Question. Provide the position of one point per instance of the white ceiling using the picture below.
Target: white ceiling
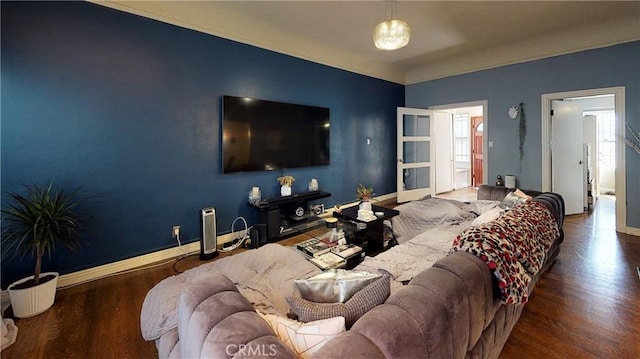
(447, 37)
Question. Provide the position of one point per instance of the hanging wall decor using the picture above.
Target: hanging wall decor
(517, 113)
(633, 141)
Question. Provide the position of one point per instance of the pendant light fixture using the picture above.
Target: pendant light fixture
(392, 33)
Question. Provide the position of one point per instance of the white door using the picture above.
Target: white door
(590, 123)
(416, 148)
(443, 122)
(567, 154)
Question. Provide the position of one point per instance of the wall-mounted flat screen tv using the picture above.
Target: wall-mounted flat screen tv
(260, 135)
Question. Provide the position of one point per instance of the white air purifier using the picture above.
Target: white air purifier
(510, 181)
(208, 237)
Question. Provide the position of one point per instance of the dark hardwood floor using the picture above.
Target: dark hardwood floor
(586, 306)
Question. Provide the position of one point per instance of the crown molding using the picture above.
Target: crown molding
(596, 36)
(238, 27)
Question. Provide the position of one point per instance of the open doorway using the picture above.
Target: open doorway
(585, 105)
(466, 164)
(600, 127)
(477, 152)
(583, 141)
(468, 134)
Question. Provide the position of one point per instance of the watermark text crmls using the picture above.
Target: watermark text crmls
(252, 350)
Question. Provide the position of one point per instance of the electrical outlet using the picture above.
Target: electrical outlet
(175, 232)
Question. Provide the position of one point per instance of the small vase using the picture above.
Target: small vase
(366, 205)
(313, 185)
(285, 190)
(254, 196)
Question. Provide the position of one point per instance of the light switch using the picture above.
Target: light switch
(368, 141)
(490, 144)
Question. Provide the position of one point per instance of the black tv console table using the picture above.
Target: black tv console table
(284, 216)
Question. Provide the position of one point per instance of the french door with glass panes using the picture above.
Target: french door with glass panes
(416, 151)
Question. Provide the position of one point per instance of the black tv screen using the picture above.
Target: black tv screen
(260, 135)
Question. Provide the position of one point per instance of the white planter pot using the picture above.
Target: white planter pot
(32, 301)
(365, 205)
(285, 190)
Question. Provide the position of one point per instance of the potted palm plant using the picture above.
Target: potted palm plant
(35, 224)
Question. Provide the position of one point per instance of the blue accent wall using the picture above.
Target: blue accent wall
(525, 83)
(128, 108)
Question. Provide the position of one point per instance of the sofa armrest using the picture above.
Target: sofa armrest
(216, 321)
(168, 345)
(553, 201)
(493, 193)
(497, 193)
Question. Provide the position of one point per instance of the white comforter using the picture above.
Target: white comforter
(419, 216)
(403, 262)
(264, 276)
(425, 229)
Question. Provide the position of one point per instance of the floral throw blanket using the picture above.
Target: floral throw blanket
(514, 247)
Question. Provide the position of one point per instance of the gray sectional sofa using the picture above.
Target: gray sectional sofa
(450, 310)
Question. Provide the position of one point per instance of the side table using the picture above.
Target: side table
(373, 241)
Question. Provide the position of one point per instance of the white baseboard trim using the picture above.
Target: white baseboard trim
(109, 269)
(633, 231)
(387, 196)
(105, 270)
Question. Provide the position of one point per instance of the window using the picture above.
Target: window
(606, 123)
(461, 136)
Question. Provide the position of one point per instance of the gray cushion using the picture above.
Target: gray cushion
(511, 200)
(334, 285)
(369, 297)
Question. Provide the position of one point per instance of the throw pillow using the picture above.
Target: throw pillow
(366, 299)
(305, 338)
(487, 216)
(335, 285)
(521, 194)
(512, 199)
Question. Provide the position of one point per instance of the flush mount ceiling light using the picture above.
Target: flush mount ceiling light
(392, 33)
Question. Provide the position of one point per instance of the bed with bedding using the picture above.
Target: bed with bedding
(437, 250)
(425, 228)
